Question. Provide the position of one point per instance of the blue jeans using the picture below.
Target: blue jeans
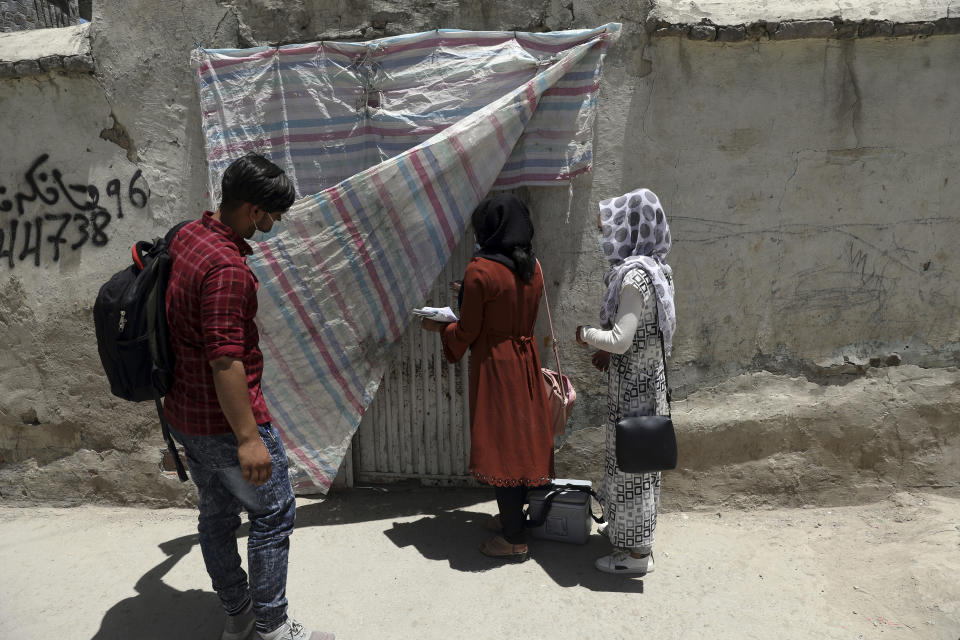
(271, 508)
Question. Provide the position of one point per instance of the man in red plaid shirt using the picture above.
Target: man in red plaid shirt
(216, 407)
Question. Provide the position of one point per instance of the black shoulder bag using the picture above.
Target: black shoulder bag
(646, 444)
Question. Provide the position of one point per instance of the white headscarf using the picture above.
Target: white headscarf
(636, 235)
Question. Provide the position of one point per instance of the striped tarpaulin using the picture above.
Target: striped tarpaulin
(398, 139)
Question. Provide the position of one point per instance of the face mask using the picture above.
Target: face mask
(266, 235)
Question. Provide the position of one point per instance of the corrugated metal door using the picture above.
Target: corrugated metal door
(418, 425)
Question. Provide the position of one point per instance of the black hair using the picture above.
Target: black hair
(255, 180)
(526, 262)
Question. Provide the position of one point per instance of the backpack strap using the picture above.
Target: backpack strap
(167, 239)
(171, 445)
(155, 306)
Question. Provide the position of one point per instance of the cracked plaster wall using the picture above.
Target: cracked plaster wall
(808, 184)
(55, 412)
(812, 194)
(126, 135)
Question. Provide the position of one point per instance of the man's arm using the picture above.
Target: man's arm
(230, 379)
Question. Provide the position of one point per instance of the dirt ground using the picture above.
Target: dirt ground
(402, 563)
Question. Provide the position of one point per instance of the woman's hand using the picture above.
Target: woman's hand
(456, 285)
(432, 325)
(601, 360)
(580, 336)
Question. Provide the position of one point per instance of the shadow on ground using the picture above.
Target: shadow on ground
(447, 532)
(455, 535)
(160, 612)
(365, 504)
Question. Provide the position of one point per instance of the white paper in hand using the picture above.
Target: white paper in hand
(440, 314)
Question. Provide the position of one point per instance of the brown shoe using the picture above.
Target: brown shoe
(498, 547)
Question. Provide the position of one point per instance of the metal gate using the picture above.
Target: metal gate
(418, 425)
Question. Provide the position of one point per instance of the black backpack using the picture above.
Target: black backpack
(132, 334)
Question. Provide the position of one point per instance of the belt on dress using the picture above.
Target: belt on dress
(521, 344)
(522, 341)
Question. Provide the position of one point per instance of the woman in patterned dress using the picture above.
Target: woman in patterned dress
(638, 306)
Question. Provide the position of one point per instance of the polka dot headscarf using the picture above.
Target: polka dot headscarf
(634, 225)
(636, 236)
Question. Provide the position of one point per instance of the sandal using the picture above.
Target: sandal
(498, 547)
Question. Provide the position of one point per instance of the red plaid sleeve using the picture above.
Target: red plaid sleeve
(226, 293)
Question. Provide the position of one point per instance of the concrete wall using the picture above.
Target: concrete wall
(812, 190)
(809, 187)
(22, 15)
(126, 136)
(808, 182)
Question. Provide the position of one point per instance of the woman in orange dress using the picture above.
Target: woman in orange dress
(510, 425)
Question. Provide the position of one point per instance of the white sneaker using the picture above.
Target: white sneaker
(293, 630)
(623, 563)
(238, 627)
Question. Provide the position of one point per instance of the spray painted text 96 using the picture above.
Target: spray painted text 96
(45, 216)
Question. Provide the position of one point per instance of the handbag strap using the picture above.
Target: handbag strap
(663, 353)
(553, 337)
(555, 490)
(666, 381)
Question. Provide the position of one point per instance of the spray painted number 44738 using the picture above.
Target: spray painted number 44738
(47, 217)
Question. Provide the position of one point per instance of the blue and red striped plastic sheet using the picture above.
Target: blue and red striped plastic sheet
(395, 141)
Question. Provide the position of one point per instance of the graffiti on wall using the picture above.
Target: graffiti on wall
(44, 216)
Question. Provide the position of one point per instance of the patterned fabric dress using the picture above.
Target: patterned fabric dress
(637, 387)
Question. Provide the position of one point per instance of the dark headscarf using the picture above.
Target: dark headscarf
(504, 232)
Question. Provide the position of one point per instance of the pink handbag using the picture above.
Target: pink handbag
(560, 392)
(561, 404)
